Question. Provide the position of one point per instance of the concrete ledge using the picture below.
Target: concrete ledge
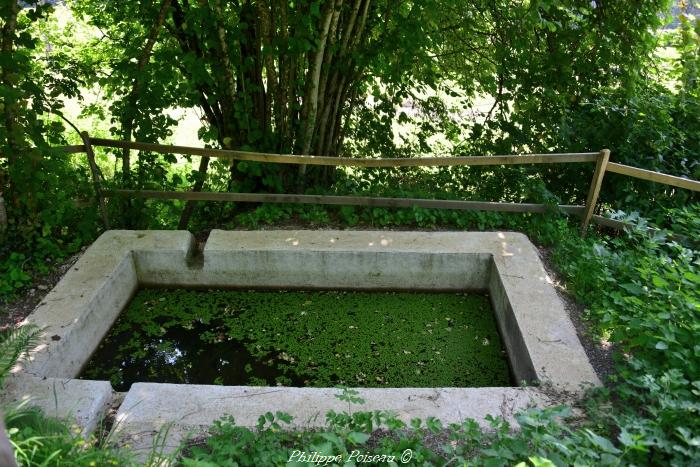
(81, 402)
(79, 311)
(148, 408)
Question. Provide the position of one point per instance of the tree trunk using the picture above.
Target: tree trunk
(132, 99)
(198, 185)
(225, 138)
(310, 104)
(223, 53)
(8, 37)
(12, 147)
(281, 103)
(3, 217)
(327, 57)
(330, 115)
(266, 33)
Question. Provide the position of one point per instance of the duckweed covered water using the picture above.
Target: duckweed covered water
(303, 338)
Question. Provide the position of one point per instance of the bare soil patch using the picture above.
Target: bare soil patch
(14, 312)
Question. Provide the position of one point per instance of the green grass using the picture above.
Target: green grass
(302, 338)
(39, 440)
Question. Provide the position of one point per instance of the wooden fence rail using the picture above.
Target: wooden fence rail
(587, 211)
(346, 201)
(350, 161)
(72, 149)
(651, 176)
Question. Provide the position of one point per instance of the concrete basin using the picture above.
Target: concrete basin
(542, 346)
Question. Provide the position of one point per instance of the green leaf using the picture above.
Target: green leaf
(692, 277)
(600, 442)
(356, 437)
(541, 462)
(333, 438)
(659, 282)
(634, 289)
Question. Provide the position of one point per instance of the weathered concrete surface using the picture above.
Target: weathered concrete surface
(150, 408)
(75, 316)
(538, 333)
(323, 259)
(332, 259)
(541, 341)
(81, 402)
(79, 311)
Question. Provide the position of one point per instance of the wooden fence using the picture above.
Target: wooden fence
(586, 211)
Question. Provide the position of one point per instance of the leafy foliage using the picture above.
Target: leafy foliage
(14, 342)
(643, 295)
(41, 187)
(452, 77)
(41, 440)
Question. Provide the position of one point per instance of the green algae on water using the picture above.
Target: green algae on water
(303, 338)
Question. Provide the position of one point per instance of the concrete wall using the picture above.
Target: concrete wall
(247, 259)
(540, 339)
(518, 354)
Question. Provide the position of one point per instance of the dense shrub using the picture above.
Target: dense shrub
(642, 295)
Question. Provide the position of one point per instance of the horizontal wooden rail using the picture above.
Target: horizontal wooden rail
(343, 200)
(348, 161)
(383, 162)
(612, 223)
(651, 176)
(621, 225)
(73, 149)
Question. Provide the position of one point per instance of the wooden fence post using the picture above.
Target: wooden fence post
(3, 217)
(594, 191)
(95, 178)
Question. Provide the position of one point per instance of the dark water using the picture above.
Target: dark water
(180, 356)
(302, 338)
